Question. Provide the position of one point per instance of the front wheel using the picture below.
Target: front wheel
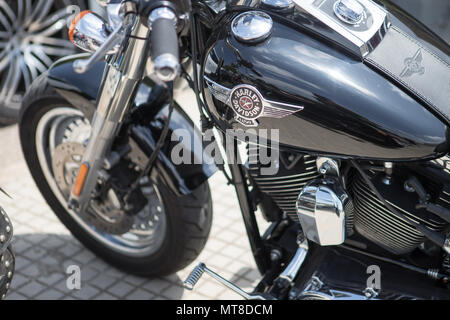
(164, 237)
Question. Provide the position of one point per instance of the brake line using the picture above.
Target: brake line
(432, 273)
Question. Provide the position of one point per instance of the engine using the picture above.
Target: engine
(365, 214)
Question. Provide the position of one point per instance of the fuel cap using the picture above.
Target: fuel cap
(349, 11)
(278, 5)
(252, 26)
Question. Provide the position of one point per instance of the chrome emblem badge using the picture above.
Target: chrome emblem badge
(413, 65)
(248, 104)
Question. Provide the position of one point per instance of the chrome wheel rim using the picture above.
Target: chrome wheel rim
(150, 227)
(31, 39)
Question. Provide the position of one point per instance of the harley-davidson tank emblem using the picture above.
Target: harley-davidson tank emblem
(248, 104)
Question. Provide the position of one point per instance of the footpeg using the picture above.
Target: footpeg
(198, 272)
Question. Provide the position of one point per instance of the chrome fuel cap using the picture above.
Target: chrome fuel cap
(252, 26)
(349, 11)
(278, 5)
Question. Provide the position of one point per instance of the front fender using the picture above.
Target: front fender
(147, 118)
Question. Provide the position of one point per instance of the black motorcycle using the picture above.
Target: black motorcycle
(7, 259)
(348, 98)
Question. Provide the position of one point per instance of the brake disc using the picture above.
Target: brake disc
(106, 214)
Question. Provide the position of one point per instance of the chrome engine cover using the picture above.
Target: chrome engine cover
(325, 211)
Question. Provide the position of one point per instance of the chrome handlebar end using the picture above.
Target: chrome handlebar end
(166, 67)
(164, 40)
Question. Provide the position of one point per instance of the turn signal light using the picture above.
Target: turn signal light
(89, 31)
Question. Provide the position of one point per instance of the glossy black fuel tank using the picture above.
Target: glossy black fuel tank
(350, 110)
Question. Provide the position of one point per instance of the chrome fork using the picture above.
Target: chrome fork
(122, 76)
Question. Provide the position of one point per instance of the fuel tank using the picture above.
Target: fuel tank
(318, 91)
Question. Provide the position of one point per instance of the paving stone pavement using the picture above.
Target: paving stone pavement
(45, 248)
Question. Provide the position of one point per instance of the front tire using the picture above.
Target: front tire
(187, 219)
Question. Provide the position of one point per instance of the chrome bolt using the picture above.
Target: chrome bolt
(370, 293)
(2, 238)
(407, 187)
(275, 255)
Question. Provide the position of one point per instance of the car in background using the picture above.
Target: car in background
(33, 34)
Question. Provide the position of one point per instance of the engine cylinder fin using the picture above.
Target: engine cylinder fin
(285, 186)
(377, 223)
(369, 194)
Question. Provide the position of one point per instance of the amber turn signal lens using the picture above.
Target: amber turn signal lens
(82, 173)
(75, 21)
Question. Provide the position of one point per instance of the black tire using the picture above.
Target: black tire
(189, 218)
(7, 264)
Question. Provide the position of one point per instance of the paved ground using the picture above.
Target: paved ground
(45, 248)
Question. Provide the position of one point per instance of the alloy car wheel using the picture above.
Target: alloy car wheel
(33, 34)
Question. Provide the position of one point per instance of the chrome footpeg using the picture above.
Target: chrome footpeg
(198, 272)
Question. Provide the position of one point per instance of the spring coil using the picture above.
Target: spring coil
(433, 274)
(194, 276)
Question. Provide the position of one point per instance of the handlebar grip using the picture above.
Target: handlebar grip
(164, 42)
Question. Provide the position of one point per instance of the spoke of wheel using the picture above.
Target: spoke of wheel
(28, 7)
(44, 11)
(25, 73)
(7, 9)
(53, 42)
(20, 14)
(54, 46)
(3, 18)
(5, 57)
(51, 30)
(9, 88)
(58, 17)
(39, 52)
(33, 62)
(37, 11)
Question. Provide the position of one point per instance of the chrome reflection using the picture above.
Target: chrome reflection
(89, 31)
(323, 208)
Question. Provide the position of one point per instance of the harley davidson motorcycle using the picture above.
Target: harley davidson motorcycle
(358, 90)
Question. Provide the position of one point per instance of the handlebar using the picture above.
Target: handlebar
(162, 21)
(164, 42)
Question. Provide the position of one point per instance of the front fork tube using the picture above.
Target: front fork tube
(122, 76)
